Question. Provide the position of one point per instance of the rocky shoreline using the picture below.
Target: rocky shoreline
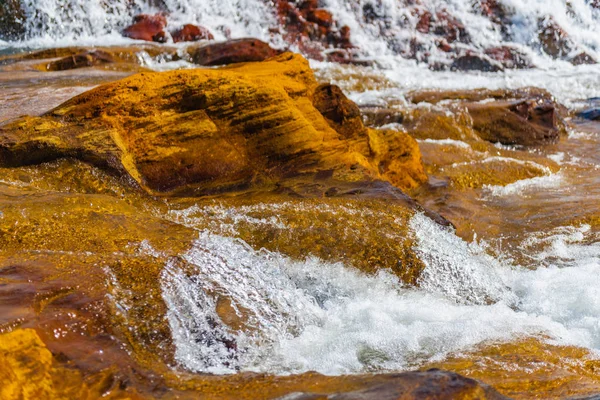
(89, 182)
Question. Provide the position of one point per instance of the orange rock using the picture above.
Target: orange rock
(206, 130)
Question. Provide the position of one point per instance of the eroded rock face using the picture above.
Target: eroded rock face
(200, 131)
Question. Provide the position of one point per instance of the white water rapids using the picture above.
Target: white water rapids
(317, 316)
(314, 315)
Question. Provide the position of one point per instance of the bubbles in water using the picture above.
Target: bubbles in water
(298, 316)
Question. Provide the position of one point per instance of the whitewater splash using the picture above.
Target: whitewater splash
(381, 29)
(312, 315)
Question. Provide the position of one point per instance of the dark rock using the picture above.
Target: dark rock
(475, 62)
(554, 40)
(312, 29)
(428, 385)
(524, 122)
(191, 33)
(232, 51)
(81, 60)
(147, 27)
(592, 114)
(449, 27)
(582, 58)
(11, 20)
(509, 57)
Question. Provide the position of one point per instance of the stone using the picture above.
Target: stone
(523, 122)
(232, 51)
(433, 384)
(313, 30)
(509, 57)
(147, 27)
(554, 40)
(582, 59)
(191, 33)
(12, 17)
(446, 25)
(203, 131)
(527, 116)
(475, 62)
(81, 60)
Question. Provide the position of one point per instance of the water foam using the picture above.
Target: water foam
(313, 315)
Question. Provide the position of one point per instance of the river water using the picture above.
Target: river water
(523, 262)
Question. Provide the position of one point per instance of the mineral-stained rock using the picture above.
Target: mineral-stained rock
(147, 27)
(232, 51)
(191, 33)
(200, 131)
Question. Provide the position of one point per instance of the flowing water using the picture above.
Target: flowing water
(524, 261)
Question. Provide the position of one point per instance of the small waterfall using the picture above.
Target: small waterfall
(381, 29)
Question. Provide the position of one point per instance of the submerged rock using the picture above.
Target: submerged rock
(80, 60)
(427, 385)
(204, 131)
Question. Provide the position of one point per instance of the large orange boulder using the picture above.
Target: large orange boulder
(206, 130)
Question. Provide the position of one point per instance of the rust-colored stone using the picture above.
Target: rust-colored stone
(232, 51)
(147, 27)
(191, 33)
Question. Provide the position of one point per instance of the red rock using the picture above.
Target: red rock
(313, 30)
(509, 57)
(444, 46)
(232, 51)
(191, 33)
(450, 28)
(147, 27)
(320, 17)
(424, 24)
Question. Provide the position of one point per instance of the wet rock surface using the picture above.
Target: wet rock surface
(232, 51)
(282, 134)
